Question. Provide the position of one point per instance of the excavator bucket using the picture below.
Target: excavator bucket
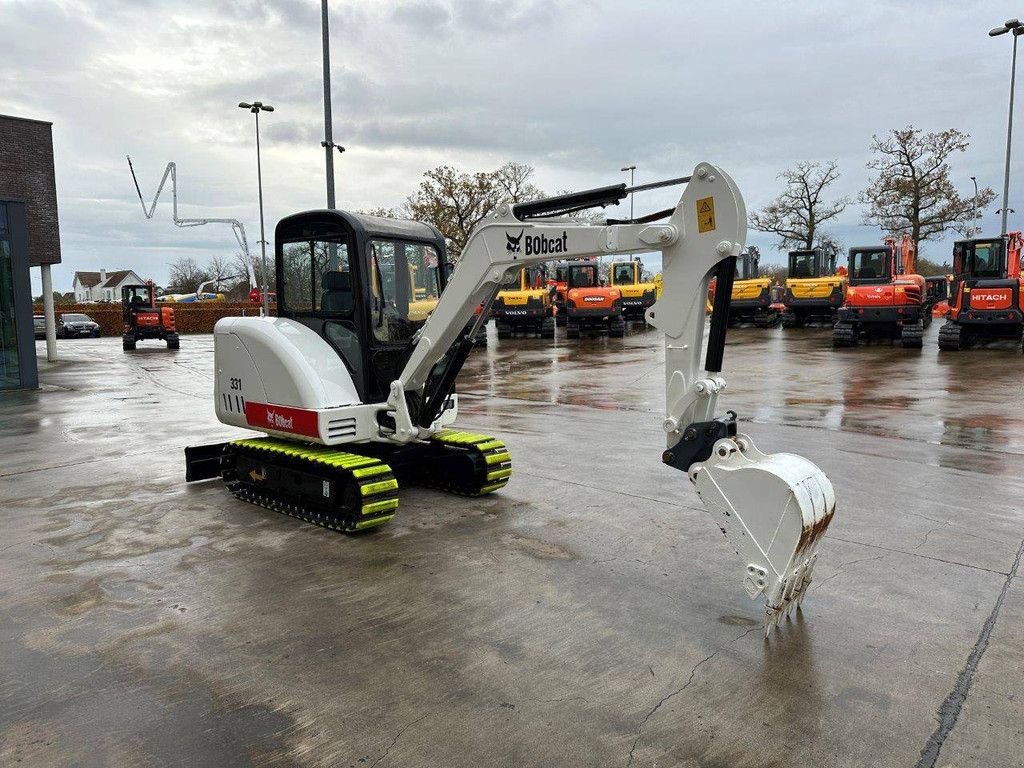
(773, 509)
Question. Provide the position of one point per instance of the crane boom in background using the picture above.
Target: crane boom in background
(236, 225)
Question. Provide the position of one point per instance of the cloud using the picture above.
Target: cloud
(577, 89)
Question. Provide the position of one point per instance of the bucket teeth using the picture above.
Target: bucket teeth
(774, 509)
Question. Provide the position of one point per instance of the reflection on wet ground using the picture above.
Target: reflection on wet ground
(781, 376)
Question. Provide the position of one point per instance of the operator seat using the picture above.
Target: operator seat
(337, 292)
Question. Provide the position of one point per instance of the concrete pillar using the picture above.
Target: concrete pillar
(51, 323)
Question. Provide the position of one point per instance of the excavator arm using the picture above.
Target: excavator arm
(772, 508)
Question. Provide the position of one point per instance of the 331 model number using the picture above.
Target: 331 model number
(236, 383)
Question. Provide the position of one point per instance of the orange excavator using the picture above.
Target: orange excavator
(885, 297)
(986, 300)
(144, 318)
(590, 305)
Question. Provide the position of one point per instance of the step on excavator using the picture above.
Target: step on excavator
(638, 295)
(986, 297)
(814, 289)
(524, 305)
(591, 306)
(353, 399)
(752, 294)
(144, 318)
(885, 297)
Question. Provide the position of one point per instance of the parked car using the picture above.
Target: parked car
(73, 325)
(39, 326)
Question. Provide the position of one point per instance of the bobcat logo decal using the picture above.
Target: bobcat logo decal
(512, 246)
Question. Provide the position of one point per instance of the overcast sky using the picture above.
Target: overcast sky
(577, 89)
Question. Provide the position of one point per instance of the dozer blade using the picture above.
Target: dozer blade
(774, 509)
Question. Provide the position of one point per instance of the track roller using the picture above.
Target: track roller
(460, 462)
(951, 337)
(911, 335)
(844, 335)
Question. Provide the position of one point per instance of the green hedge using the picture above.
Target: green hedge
(189, 318)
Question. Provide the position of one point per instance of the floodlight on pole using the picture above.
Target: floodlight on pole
(632, 171)
(256, 107)
(1017, 28)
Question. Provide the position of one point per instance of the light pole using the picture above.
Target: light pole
(256, 107)
(976, 228)
(328, 142)
(632, 170)
(1012, 25)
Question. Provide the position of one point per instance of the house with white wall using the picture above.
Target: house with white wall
(103, 286)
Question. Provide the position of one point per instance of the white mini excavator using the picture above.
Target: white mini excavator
(354, 397)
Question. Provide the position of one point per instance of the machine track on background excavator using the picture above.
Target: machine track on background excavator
(885, 297)
(814, 289)
(987, 295)
(355, 398)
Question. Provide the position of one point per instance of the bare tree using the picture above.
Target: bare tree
(455, 201)
(797, 214)
(913, 192)
(222, 270)
(186, 275)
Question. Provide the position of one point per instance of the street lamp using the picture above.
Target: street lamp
(976, 228)
(632, 170)
(256, 107)
(1012, 25)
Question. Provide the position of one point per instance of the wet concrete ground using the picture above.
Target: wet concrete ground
(590, 614)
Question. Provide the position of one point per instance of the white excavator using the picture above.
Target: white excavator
(353, 397)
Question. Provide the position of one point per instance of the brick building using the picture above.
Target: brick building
(29, 237)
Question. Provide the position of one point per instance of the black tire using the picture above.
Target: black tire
(95, 334)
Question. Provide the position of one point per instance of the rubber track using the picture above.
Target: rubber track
(951, 337)
(844, 335)
(371, 478)
(491, 456)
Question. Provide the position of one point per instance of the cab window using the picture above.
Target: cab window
(402, 277)
(583, 277)
(869, 265)
(622, 274)
(803, 264)
(316, 277)
(987, 260)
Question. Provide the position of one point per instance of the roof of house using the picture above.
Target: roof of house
(87, 279)
(115, 278)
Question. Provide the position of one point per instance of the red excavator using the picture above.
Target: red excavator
(885, 297)
(143, 319)
(986, 300)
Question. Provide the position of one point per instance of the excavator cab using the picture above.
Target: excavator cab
(637, 295)
(813, 289)
(870, 265)
(360, 283)
(986, 298)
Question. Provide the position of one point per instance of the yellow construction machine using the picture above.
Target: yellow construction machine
(814, 290)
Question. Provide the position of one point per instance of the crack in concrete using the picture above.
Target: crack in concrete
(917, 554)
(689, 681)
(950, 709)
(841, 566)
(397, 737)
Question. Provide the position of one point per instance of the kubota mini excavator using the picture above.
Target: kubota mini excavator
(638, 295)
(524, 305)
(814, 290)
(353, 397)
(986, 300)
(885, 297)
